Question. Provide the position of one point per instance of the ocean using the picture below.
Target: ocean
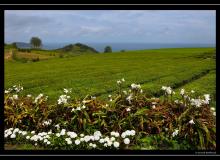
(128, 46)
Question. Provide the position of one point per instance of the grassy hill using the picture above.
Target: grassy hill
(96, 74)
(77, 48)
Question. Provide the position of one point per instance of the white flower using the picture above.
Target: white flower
(112, 138)
(207, 98)
(176, 101)
(28, 137)
(164, 88)
(168, 90)
(128, 109)
(63, 99)
(94, 145)
(73, 110)
(6, 91)
(58, 134)
(214, 113)
(126, 141)
(29, 95)
(57, 126)
(38, 97)
(109, 96)
(101, 140)
(105, 145)
(65, 90)
(48, 142)
(116, 144)
(132, 132)
(77, 142)
(129, 98)
(16, 130)
(191, 122)
(87, 138)
(212, 108)
(125, 92)
(35, 144)
(122, 79)
(93, 97)
(109, 143)
(78, 108)
(15, 96)
(110, 100)
(72, 134)
(96, 137)
(123, 135)
(63, 132)
(118, 82)
(83, 107)
(135, 86)
(24, 133)
(45, 140)
(182, 92)
(13, 136)
(192, 91)
(117, 134)
(97, 133)
(196, 102)
(81, 135)
(175, 133)
(32, 132)
(153, 106)
(90, 144)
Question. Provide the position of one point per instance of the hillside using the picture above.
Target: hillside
(77, 48)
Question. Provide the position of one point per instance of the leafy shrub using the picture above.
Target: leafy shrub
(186, 123)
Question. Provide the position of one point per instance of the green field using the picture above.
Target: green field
(96, 74)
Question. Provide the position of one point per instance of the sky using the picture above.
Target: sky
(140, 26)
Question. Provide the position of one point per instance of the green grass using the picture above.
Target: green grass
(97, 74)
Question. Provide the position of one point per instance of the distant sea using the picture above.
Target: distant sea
(129, 46)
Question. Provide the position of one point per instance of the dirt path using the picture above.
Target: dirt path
(8, 55)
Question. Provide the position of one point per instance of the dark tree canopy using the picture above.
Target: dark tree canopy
(14, 45)
(108, 49)
(35, 42)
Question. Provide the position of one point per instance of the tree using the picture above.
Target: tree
(108, 49)
(35, 42)
(14, 45)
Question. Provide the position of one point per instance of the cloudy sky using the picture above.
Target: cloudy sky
(150, 26)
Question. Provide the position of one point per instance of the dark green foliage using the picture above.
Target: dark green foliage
(36, 42)
(77, 48)
(24, 50)
(35, 59)
(108, 49)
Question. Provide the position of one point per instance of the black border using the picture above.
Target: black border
(104, 7)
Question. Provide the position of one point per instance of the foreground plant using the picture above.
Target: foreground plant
(127, 120)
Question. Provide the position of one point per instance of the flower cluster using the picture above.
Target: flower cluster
(175, 133)
(79, 108)
(168, 90)
(47, 123)
(14, 97)
(63, 99)
(40, 98)
(135, 86)
(198, 102)
(96, 140)
(67, 90)
(120, 81)
(15, 88)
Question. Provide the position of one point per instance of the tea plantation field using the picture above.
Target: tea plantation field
(96, 74)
